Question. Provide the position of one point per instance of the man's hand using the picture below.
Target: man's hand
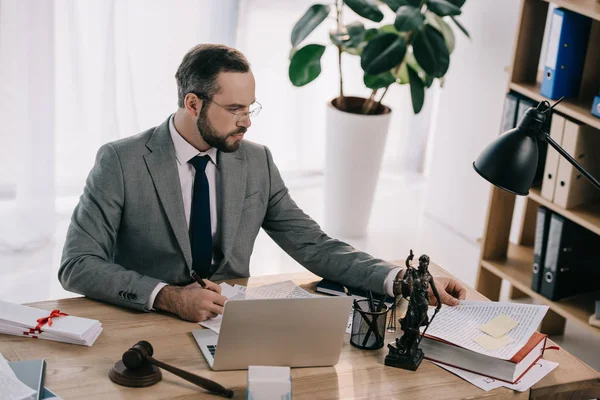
(192, 302)
(450, 291)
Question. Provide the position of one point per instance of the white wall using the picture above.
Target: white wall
(468, 115)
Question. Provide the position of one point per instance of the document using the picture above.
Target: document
(11, 388)
(539, 370)
(279, 290)
(460, 324)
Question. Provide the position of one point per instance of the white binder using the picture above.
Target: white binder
(551, 168)
(582, 142)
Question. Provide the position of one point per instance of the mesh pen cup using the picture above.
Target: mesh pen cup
(368, 327)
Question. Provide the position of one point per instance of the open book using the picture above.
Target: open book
(452, 339)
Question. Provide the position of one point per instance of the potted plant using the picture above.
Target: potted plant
(414, 50)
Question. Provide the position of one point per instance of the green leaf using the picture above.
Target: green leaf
(370, 34)
(356, 31)
(442, 26)
(366, 9)
(379, 81)
(309, 21)
(306, 64)
(430, 50)
(458, 3)
(389, 29)
(443, 8)
(461, 27)
(408, 18)
(417, 90)
(394, 5)
(383, 53)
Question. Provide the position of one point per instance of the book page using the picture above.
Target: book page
(460, 324)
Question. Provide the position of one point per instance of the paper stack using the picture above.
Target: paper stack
(279, 290)
(20, 320)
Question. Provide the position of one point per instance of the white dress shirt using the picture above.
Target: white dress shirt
(185, 152)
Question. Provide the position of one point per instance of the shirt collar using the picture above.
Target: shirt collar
(184, 151)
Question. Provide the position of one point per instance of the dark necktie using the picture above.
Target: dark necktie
(200, 229)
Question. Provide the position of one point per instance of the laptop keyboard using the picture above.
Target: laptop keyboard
(212, 349)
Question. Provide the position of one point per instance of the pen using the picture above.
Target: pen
(371, 305)
(198, 279)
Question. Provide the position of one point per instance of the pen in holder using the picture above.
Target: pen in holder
(368, 327)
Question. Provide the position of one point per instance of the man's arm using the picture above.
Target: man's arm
(302, 238)
(87, 265)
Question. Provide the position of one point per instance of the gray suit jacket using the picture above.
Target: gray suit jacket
(128, 232)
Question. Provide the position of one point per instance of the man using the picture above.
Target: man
(191, 195)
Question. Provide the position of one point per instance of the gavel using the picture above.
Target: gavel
(133, 370)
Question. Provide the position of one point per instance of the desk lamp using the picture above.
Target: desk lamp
(510, 162)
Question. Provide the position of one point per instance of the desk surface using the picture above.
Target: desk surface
(82, 372)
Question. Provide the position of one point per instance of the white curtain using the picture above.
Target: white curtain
(76, 74)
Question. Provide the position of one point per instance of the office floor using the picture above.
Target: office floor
(398, 223)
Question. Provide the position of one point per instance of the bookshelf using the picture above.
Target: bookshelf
(501, 260)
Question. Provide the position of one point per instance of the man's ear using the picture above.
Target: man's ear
(193, 104)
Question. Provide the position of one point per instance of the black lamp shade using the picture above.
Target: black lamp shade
(510, 162)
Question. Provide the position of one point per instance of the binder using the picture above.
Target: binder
(565, 55)
(570, 266)
(582, 142)
(32, 373)
(539, 247)
(552, 158)
(509, 112)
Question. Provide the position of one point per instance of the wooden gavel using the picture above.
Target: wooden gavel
(141, 354)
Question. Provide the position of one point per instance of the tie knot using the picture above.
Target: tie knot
(199, 162)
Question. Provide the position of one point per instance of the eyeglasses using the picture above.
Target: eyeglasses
(253, 109)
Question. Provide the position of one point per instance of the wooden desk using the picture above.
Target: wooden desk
(82, 372)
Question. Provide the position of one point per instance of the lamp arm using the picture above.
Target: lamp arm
(570, 159)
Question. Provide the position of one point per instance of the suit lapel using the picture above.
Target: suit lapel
(233, 188)
(162, 165)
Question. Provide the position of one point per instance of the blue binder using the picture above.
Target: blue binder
(596, 106)
(565, 56)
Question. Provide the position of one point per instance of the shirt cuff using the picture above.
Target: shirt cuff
(150, 303)
(388, 283)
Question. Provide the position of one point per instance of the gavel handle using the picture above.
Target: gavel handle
(207, 384)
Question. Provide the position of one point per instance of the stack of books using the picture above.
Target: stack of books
(20, 320)
(496, 340)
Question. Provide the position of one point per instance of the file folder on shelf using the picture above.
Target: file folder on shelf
(565, 56)
(596, 107)
(572, 188)
(571, 262)
(539, 247)
(551, 169)
(509, 113)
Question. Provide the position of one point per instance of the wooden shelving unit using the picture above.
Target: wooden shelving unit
(501, 260)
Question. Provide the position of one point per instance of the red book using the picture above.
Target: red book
(510, 371)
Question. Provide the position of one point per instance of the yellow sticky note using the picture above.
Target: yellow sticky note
(499, 326)
(492, 343)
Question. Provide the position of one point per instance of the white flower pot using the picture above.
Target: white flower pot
(354, 151)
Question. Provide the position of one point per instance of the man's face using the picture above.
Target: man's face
(216, 121)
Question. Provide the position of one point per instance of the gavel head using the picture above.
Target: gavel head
(138, 355)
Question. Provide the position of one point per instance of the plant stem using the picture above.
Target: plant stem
(381, 98)
(368, 105)
(338, 12)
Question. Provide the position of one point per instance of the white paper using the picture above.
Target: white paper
(279, 290)
(539, 370)
(460, 324)
(68, 327)
(11, 388)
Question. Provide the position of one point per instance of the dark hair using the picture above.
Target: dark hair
(201, 65)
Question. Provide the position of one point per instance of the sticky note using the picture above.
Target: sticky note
(499, 326)
(491, 343)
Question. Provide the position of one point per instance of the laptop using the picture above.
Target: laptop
(306, 332)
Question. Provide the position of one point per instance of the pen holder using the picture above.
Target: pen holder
(368, 327)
